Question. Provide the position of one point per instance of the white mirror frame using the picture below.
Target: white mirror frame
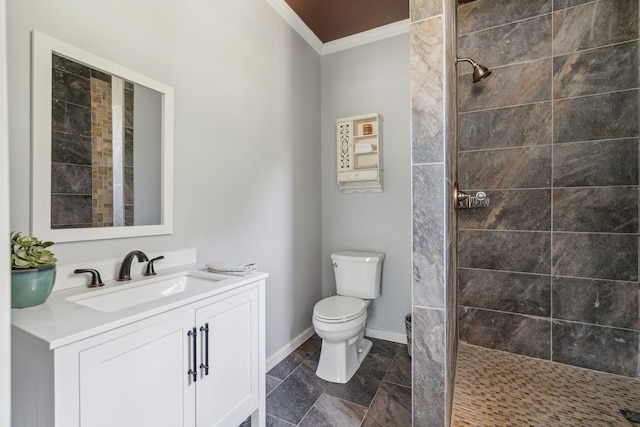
(43, 47)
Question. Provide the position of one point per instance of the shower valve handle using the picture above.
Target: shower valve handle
(461, 195)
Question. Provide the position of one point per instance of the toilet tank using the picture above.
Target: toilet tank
(357, 273)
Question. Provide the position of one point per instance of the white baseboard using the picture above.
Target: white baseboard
(288, 348)
(386, 335)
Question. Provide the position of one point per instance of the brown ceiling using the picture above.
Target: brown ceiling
(334, 19)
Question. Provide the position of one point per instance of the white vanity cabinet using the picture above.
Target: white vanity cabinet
(227, 391)
(152, 372)
(134, 377)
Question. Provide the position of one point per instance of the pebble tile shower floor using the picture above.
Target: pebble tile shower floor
(499, 389)
(379, 394)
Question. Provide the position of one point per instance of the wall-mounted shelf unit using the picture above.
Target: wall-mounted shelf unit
(359, 140)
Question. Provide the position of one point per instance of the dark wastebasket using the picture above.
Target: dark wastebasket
(407, 325)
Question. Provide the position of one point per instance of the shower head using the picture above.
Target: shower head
(479, 71)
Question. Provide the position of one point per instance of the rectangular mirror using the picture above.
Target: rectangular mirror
(102, 159)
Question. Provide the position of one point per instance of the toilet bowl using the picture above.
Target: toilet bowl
(340, 322)
(340, 319)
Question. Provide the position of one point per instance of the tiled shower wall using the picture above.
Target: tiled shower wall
(550, 269)
(71, 144)
(82, 151)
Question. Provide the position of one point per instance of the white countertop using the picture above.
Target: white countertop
(60, 321)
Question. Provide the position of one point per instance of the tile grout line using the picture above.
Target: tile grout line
(562, 276)
(551, 210)
(506, 24)
(324, 389)
(398, 384)
(551, 144)
(607, 233)
(545, 318)
(550, 100)
(380, 385)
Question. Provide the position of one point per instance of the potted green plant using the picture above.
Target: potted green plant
(33, 271)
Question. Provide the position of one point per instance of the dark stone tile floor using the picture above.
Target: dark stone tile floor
(379, 394)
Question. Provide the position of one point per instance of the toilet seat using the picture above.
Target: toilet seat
(339, 309)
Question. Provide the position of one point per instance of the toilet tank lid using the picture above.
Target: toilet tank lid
(357, 256)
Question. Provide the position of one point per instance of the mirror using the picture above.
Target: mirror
(102, 159)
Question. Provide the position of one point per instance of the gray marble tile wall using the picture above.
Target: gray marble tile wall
(433, 108)
(550, 269)
(451, 217)
(434, 163)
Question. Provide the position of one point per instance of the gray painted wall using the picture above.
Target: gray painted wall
(5, 291)
(369, 79)
(247, 133)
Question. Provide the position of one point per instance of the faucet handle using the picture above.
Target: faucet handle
(149, 270)
(96, 280)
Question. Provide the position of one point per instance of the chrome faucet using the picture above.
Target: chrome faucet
(125, 266)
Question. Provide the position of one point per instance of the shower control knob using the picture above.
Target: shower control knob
(481, 195)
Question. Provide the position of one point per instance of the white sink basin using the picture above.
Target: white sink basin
(129, 294)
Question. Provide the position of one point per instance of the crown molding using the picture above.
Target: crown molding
(370, 36)
(380, 33)
(285, 11)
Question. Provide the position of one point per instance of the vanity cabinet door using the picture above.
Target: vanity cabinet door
(139, 379)
(230, 389)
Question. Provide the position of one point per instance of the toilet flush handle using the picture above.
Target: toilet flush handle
(334, 264)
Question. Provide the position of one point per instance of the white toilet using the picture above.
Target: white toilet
(340, 319)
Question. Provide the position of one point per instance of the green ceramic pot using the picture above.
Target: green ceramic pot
(31, 287)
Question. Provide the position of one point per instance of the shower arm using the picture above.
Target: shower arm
(469, 60)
